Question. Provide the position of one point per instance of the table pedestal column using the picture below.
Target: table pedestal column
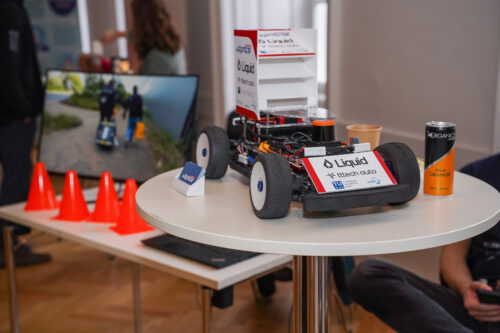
(310, 290)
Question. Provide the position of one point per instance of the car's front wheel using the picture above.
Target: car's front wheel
(271, 186)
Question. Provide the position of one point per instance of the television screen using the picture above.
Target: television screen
(130, 125)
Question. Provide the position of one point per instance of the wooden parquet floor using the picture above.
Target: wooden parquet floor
(84, 290)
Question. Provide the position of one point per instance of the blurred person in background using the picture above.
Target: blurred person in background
(107, 101)
(156, 41)
(133, 105)
(409, 303)
(21, 100)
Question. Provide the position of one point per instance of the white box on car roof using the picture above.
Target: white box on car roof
(276, 70)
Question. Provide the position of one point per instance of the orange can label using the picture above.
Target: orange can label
(438, 177)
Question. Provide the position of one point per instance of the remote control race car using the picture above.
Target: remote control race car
(286, 145)
(106, 135)
(277, 152)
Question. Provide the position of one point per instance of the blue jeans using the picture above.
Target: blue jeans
(132, 123)
(409, 303)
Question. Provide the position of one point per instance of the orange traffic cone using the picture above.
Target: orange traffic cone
(41, 195)
(73, 206)
(129, 221)
(106, 206)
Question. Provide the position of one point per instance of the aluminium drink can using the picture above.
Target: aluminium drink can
(439, 158)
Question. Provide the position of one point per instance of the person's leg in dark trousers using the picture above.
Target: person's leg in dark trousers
(408, 303)
(16, 140)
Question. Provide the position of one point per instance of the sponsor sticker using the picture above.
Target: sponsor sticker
(246, 76)
(191, 173)
(282, 42)
(348, 172)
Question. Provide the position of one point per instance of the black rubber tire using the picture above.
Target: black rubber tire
(278, 186)
(404, 164)
(234, 132)
(218, 152)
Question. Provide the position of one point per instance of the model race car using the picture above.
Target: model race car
(106, 135)
(286, 145)
(273, 152)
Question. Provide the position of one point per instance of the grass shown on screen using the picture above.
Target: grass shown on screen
(59, 122)
(167, 152)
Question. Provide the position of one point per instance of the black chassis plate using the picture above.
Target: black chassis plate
(353, 199)
(341, 200)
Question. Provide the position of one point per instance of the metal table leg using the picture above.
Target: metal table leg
(206, 304)
(136, 287)
(312, 318)
(11, 278)
(299, 297)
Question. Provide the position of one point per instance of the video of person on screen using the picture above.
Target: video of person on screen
(129, 125)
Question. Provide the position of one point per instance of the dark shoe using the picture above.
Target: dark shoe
(24, 256)
(284, 274)
(266, 286)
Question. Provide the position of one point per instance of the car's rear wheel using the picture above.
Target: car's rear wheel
(234, 131)
(212, 151)
(271, 186)
(403, 164)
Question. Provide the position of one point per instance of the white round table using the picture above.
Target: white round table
(224, 217)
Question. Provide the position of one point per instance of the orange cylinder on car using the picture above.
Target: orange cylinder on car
(323, 130)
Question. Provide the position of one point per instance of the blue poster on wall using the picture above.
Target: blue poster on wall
(57, 32)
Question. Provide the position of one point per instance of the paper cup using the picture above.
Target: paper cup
(364, 133)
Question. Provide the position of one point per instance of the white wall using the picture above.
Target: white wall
(102, 18)
(401, 63)
(199, 58)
